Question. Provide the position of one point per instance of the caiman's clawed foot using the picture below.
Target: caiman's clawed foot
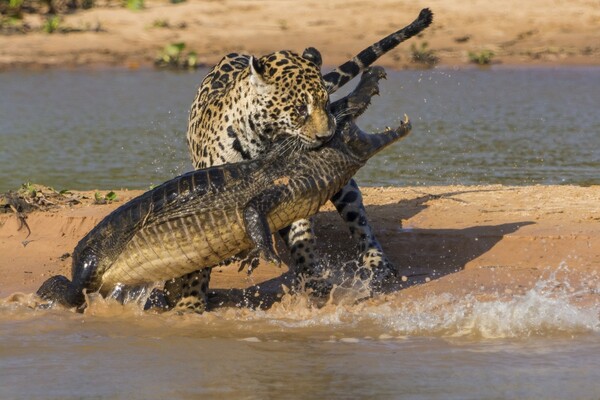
(253, 258)
(61, 290)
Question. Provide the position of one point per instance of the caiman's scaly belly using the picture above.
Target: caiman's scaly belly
(183, 245)
(179, 246)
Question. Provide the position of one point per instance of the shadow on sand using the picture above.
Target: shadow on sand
(419, 255)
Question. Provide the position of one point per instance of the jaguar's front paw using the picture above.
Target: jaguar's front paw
(382, 271)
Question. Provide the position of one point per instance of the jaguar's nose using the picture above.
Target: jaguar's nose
(328, 134)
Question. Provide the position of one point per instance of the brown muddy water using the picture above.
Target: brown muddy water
(539, 345)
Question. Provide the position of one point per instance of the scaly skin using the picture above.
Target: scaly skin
(206, 216)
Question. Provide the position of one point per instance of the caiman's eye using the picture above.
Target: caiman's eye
(302, 111)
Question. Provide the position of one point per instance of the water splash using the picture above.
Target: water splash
(551, 307)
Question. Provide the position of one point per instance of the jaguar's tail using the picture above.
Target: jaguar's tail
(350, 69)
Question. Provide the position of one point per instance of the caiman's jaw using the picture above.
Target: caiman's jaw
(365, 145)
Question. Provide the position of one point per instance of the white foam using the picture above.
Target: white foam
(549, 308)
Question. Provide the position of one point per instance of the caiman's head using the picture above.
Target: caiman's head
(364, 145)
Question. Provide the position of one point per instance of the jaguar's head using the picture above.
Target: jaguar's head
(291, 98)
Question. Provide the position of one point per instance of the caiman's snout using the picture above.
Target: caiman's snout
(366, 145)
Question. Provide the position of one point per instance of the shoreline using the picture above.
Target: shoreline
(35, 67)
(533, 35)
(481, 240)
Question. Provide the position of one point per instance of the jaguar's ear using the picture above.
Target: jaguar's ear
(313, 55)
(257, 72)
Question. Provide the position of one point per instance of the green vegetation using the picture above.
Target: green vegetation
(134, 4)
(33, 190)
(51, 24)
(174, 57)
(106, 199)
(11, 8)
(483, 57)
(423, 55)
(12, 14)
(30, 196)
(16, 8)
(28, 189)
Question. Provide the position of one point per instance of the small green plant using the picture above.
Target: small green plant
(51, 24)
(15, 3)
(173, 56)
(134, 4)
(28, 188)
(423, 55)
(12, 8)
(483, 57)
(172, 52)
(192, 60)
(106, 199)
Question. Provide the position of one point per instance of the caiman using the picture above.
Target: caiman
(203, 217)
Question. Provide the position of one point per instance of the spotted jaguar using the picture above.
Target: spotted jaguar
(243, 105)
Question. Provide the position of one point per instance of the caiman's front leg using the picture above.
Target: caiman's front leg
(257, 228)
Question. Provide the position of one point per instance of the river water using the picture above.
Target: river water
(123, 129)
(110, 129)
(539, 345)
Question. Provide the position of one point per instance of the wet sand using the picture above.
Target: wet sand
(518, 32)
(485, 241)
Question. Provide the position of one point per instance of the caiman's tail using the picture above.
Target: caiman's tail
(366, 145)
(61, 290)
(350, 69)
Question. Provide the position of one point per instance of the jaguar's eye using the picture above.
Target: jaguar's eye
(302, 111)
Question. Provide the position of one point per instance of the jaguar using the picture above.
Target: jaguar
(244, 104)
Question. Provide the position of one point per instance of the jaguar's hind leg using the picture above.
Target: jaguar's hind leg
(188, 293)
(349, 203)
(309, 272)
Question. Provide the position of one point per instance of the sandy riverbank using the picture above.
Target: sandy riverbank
(481, 240)
(518, 32)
